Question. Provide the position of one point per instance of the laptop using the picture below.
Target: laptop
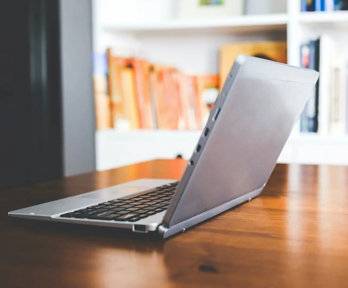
(232, 161)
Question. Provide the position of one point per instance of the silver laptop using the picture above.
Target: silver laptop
(234, 157)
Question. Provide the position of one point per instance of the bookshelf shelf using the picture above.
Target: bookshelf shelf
(119, 148)
(236, 24)
(324, 18)
(126, 147)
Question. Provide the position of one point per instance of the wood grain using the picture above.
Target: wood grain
(294, 235)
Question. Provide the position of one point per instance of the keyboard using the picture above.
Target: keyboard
(130, 208)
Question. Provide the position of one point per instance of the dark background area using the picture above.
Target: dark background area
(45, 76)
(30, 109)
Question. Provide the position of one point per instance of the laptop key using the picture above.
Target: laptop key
(132, 209)
(116, 209)
(125, 217)
(134, 219)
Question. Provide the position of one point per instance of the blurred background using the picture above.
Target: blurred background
(95, 84)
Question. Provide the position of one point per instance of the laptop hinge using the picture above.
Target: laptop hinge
(166, 232)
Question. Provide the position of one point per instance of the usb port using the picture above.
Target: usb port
(206, 131)
(139, 228)
(198, 148)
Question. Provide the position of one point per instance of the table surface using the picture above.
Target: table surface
(294, 235)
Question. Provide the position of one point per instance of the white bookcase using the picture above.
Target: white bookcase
(135, 28)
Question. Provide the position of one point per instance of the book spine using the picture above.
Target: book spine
(344, 5)
(304, 5)
(130, 99)
(303, 116)
(304, 62)
(317, 5)
(309, 119)
(315, 64)
(337, 4)
(323, 5)
(101, 92)
(338, 98)
(329, 5)
(310, 5)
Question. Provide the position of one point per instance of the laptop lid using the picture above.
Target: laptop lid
(246, 131)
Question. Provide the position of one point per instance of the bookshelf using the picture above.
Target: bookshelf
(176, 42)
(246, 23)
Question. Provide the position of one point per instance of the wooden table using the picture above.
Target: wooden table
(294, 235)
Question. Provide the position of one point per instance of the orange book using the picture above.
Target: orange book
(186, 99)
(171, 98)
(272, 50)
(130, 104)
(103, 111)
(115, 66)
(204, 83)
(152, 86)
(156, 79)
(142, 81)
(165, 95)
(102, 103)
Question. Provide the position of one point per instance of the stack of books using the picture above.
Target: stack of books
(323, 5)
(327, 111)
(144, 95)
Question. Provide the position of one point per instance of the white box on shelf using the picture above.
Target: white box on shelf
(192, 9)
(255, 7)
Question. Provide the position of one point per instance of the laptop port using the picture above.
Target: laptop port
(192, 162)
(206, 131)
(139, 228)
(198, 148)
(216, 115)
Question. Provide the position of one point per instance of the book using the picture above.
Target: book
(102, 110)
(310, 6)
(310, 56)
(303, 5)
(327, 52)
(187, 102)
(166, 97)
(272, 50)
(205, 95)
(318, 5)
(329, 5)
(142, 82)
(344, 5)
(323, 5)
(313, 103)
(304, 62)
(338, 97)
(116, 64)
(171, 98)
(101, 95)
(130, 104)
